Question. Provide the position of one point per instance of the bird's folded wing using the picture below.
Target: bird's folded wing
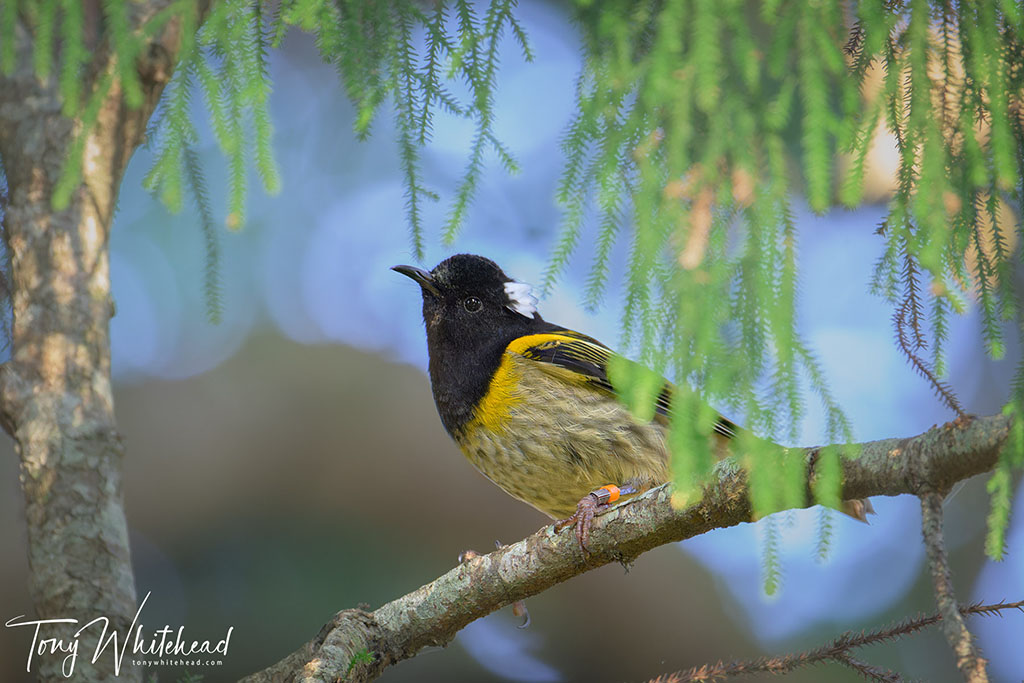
(575, 357)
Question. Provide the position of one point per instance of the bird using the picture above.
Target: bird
(530, 404)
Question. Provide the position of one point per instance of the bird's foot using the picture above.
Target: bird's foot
(585, 511)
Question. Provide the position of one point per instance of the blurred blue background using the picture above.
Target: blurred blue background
(277, 461)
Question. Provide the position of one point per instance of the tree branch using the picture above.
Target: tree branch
(970, 663)
(434, 613)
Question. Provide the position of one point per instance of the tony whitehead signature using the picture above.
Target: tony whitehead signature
(163, 642)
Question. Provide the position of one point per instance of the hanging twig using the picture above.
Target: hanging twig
(968, 660)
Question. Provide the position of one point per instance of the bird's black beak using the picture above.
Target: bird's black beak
(423, 277)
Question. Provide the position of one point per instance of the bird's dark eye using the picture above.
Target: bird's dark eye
(472, 304)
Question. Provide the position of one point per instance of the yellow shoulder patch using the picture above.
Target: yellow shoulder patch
(502, 393)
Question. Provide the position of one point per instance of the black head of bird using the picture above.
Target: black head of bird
(471, 295)
(471, 310)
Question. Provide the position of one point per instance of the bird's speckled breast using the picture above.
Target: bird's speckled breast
(525, 439)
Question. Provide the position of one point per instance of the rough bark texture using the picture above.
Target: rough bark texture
(55, 392)
(434, 613)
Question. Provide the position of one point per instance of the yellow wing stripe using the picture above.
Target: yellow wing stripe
(522, 344)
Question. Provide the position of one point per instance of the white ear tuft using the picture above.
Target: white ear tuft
(521, 298)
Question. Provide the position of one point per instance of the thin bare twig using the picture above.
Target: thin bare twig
(837, 651)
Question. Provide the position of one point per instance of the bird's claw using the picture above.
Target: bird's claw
(583, 519)
(519, 610)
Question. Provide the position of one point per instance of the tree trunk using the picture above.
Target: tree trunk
(55, 391)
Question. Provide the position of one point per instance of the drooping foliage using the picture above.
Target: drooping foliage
(407, 54)
(698, 125)
(698, 122)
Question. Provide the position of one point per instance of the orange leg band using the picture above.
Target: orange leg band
(613, 491)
